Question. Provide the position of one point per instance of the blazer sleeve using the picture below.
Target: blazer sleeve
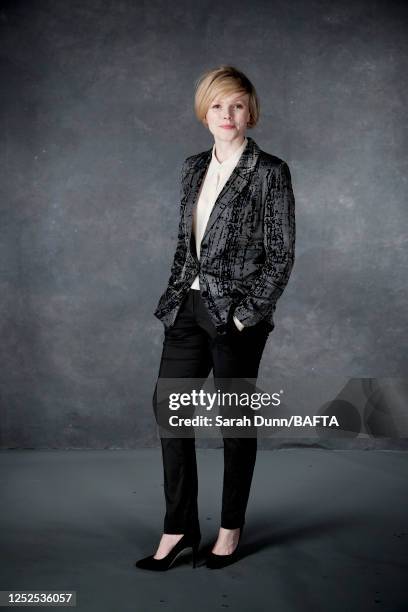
(279, 242)
(181, 248)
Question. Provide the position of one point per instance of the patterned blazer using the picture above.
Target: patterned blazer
(248, 249)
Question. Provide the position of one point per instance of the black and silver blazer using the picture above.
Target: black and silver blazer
(248, 248)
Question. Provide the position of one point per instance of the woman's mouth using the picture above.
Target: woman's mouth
(228, 127)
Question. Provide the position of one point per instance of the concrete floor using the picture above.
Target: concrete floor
(326, 531)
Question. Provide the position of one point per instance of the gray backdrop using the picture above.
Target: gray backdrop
(97, 118)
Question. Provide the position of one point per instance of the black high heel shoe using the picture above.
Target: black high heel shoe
(161, 565)
(218, 561)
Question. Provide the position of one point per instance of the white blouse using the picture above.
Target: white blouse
(217, 175)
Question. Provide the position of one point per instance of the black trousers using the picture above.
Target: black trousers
(191, 348)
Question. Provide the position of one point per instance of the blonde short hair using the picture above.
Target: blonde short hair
(222, 81)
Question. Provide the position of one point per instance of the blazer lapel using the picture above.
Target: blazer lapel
(235, 184)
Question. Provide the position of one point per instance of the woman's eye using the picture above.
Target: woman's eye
(218, 105)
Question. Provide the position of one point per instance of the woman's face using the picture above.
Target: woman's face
(232, 111)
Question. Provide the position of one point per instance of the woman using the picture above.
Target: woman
(233, 259)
